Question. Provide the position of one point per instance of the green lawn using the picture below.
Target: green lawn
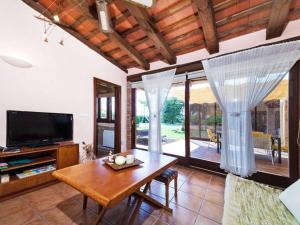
(172, 131)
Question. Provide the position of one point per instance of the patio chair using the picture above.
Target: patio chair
(263, 141)
(213, 138)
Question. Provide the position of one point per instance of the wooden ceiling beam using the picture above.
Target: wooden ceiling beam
(41, 9)
(207, 18)
(143, 19)
(116, 37)
(278, 18)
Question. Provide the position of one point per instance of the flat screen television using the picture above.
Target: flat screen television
(37, 128)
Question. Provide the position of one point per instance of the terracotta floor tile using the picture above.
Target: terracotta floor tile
(11, 206)
(91, 205)
(66, 190)
(188, 201)
(144, 218)
(153, 211)
(199, 180)
(18, 217)
(212, 211)
(201, 220)
(215, 197)
(87, 218)
(159, 222)
(180, 216)
(118, 214)
(217, 184)
(160, 190)
(36, 222)
(193, 189)
(43, 199)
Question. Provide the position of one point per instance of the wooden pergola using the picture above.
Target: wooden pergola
(168, 29)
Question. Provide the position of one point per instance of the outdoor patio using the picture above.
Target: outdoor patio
(208, 151)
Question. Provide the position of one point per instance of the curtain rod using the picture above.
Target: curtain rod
(200, 72)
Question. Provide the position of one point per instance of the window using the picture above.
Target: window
(106, 109)
(103, 108)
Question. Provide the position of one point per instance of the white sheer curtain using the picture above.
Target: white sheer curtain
(156, 88)
(240, 82)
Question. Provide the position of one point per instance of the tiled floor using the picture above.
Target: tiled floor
(200, 202)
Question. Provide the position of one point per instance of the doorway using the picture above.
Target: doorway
(107, 118)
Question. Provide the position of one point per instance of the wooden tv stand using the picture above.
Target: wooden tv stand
(61, 155)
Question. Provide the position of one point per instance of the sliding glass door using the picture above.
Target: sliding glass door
(191, 122)
(172, 121)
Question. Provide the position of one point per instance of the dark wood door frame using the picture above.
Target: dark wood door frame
(117, 121)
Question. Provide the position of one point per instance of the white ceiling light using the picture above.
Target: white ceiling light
(17, 62)
(146, 3)
(103, 16)
(56, 18)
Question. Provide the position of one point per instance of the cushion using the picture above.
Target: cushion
(251, 203)
(290, 197)
(167, 176)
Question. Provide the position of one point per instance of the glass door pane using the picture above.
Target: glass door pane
(172, 121)
(270, 131)
(141, 120)
(205, 122)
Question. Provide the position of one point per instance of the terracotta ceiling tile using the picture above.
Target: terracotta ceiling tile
(242, 5)
(187, 41)
(67, 19)
(101, 36)
(119, 54)
(186, 12)
(147, 44)
(114, 10)
(182, 30)
(161, 5)
(244, 31)
(192, 49)
(232, 25)
(108, 47)
(295, 4)
(95, 40)
(256, 2)
(125, 25)
(136, 35)
(50, 5)
(262, 14)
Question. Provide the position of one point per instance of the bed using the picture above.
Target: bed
(251, 203)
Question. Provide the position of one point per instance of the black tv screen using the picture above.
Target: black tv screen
(37, 128)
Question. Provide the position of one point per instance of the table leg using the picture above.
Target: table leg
(100, 215)
(138, 205)
(85, 199)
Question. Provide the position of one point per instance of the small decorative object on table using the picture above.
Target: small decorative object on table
(4, 178)
(89, 152)
(122, 162)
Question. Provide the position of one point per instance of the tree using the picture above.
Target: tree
(173, 111)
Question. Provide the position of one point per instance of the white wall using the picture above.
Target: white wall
(61, 79)
(231, 45)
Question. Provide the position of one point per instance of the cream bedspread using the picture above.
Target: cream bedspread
(251, 203)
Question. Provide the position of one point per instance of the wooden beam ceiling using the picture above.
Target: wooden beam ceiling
(116, 37)
(41, 9)
(144, 21)
(207, 18)
(278, 18)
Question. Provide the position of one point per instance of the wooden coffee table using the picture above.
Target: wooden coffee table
(108, 187)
